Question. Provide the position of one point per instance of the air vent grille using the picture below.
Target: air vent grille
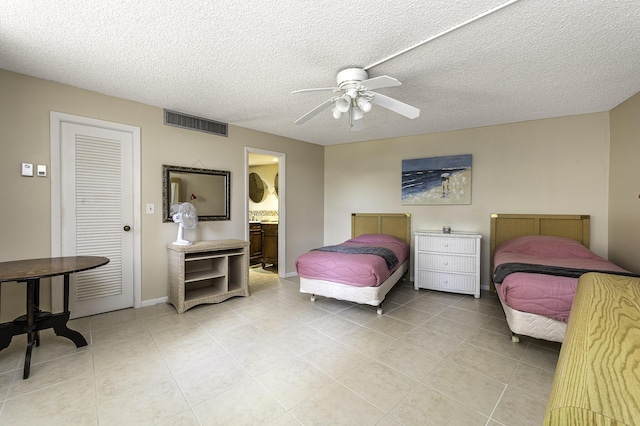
(177, 119)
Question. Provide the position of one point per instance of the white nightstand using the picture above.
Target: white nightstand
(448, 262)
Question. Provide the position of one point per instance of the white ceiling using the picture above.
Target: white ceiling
(238, 61)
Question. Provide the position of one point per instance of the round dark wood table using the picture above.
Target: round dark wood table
(30, 271)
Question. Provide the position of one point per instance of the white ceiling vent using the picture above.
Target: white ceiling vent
(177, 119)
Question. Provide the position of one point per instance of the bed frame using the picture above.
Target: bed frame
(507, 226)
(395, 224)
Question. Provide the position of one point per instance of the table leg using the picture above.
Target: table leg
(60, 326)
(66, 293)
(36, 310)
(27, 357)
(6, 335)
(30, 329)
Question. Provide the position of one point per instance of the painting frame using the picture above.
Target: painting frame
(437, 180)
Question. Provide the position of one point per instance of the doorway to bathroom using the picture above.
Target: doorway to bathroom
(265, 187)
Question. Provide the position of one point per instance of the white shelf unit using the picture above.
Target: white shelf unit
(447, 262)
(207, 272)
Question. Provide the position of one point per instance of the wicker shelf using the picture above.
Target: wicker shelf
(207, 272)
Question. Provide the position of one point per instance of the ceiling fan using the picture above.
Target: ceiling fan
(354, 96)
(354, 92)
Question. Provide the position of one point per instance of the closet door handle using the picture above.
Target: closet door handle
(127, 228)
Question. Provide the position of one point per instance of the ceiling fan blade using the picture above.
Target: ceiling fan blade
(335, 89)
(315, 111)
(396, 106)
(380, 82)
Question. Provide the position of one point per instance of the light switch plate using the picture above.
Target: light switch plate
(42, 170)
(27, 169)
(151, 209)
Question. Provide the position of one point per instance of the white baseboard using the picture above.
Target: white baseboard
(152, 302)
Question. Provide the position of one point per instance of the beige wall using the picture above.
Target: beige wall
(624, 185)
(25, 104)
(558, 165)
(547, 166)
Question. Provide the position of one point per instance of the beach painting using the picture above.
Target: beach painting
(437, 180)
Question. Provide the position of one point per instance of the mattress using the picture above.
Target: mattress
(533, 325)
(538, 292)
(360, 270)
(366, 295)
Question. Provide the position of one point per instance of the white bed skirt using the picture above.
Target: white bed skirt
(533, 325)
(364, 295)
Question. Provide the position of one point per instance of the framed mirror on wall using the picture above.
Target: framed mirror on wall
(208, 190)
(275, 184)
(256, 188)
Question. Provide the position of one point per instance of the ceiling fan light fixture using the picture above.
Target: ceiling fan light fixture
(357, 113)
(352, 92)
(337, 114)
(364, 104)
(343, 103)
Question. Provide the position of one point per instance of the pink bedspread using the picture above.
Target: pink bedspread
(541, 294)
(361, 270)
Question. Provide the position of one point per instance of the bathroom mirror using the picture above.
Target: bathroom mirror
(275, 184)
(256, 188)
(208, 190)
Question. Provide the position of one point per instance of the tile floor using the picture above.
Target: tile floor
(276, 358)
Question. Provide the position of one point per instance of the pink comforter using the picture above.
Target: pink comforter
(540, 294)
(361, 270)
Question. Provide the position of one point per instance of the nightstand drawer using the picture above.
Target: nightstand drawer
(447, 245)
(446, 282)
(443, 262)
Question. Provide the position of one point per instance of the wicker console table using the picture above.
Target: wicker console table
(207, 272)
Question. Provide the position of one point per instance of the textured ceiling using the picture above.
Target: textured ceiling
(238, 61)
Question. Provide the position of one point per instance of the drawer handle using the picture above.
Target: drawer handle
(446, 263)
(446, 245)
(446, 281)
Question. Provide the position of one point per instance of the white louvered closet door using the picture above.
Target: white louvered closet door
(97, 204)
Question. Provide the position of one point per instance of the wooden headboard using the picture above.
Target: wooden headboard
(507, 226)
(395, 224)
